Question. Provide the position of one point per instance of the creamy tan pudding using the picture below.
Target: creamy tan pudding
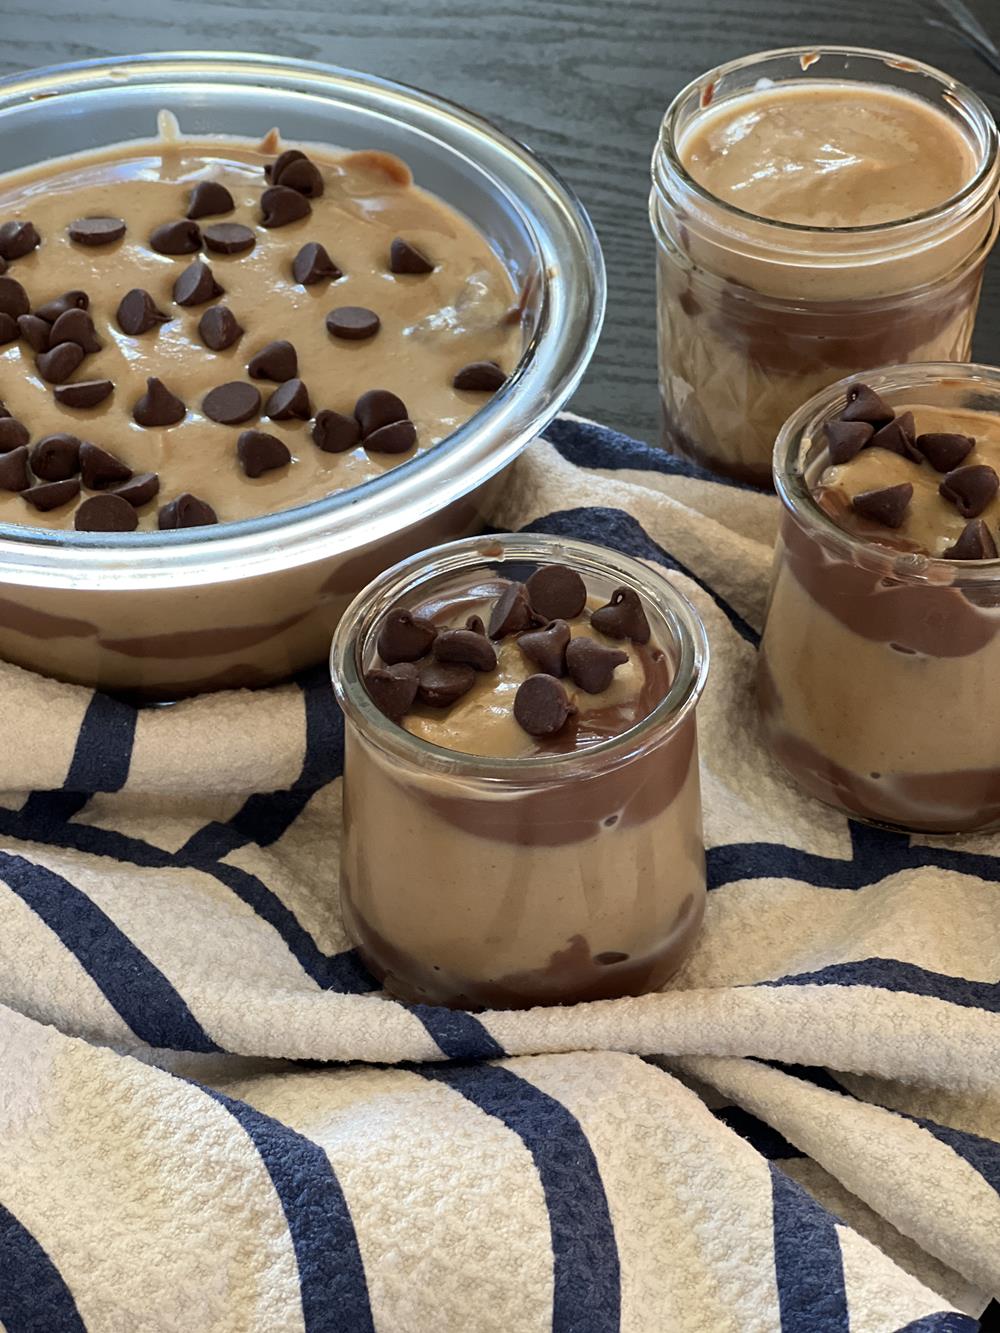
(204, 330)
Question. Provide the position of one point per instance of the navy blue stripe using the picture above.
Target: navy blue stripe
(905, 978)
(982, 1154)
(324, 757)
(586, 1294)
(763, 1138)
(808, 1266)
(331, 1271)
(460, 1035)
(947, 1321)
(136, 989)
(592, 446)
(103, 751)
(33, 1296)
(54, 807)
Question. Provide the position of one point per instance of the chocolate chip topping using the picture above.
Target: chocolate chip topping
(208, 199)
(180, 237)
(52, 494)
(394, 439)
(377, 408)
(75, 326)
(56, 457)
(14, 470)
(277, 361)
(335, 433)
(13, 434)
(51, 310)
(944, 451)
(279, 206)
(290, 399)
(219, 328)
(9, 331)
(228, 238)
(623, 617)
(313, 264)
(475, 623)
(17, 239)
(466, 647)
(302, 176)
(556, 592)
(481, 376)
(105, 513)
(187, 511)
(101, 469)
(57, 365)
(231, 403)
(273, 170)
(975, 543)
(887, 506)
(96, 230)
(899, 437)
(443, 683)
(138, 312)
(403, 637)
(196, 285)
(392, 689)
(139, 490)
(259, 452)
(354, 323)
(864, 404)
(34, 331)
(541, 706)
(406, 258)
(82, 393)
(13, 298)
(511, 612)
(970, 489)
(546, 648)
(591, 665)
(158, 406)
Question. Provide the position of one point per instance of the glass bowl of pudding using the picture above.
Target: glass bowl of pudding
(882, 640)
(266, 327)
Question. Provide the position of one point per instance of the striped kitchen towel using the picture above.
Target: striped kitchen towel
(211, 1121)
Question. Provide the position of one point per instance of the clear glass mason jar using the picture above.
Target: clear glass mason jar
(755, 316)
(509, 882)
(878, 668)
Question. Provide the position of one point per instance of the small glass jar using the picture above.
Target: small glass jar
(509, 882)
(878, 668)
(755, 316)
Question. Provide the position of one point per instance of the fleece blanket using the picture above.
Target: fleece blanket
(211, 1120)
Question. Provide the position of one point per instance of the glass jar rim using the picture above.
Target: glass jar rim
(666, 146)
(425, 568)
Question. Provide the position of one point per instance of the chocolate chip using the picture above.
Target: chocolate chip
(392, 689)
(335, 433)
(13, 434)
(259, 452)
(105, 513)
(970, 489)
(138, 312)
(899, 437)
(975, 543)
(406, 258)
(377, 408)
(355, 323)
(229, 238)
(218, 328)
(887, 506)
(207, 199)
(591, 665)
(51, 310)
(943, 451)
(864, 404)
(14, 470)
(52, 494)
(393, 439)
(623, 617)
(13, 298)
(475, 623)
(274, 169)
(187, 511)
(541, 706)
(75, 326)
(196, 285)
(481, 376)
(312, 264)
(290, 399)
(140, 490)
(9, 331)
(279, 206)
(18, 239)
(302, 176)
(556, 592)
(82, 393)
(546, 648)
(34, 331)
(443, 683)
(277, 361)
(466, 647)
(57, 365)
(56, 457)
(181, 237)
(511, 612)
(231, 403)
(101, 469)
(96, 231)
(158, 406)
(403, 637)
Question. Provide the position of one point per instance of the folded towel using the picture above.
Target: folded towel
(212, 1121)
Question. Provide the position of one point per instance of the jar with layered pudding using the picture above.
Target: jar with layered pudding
(881, 649)
(522, 811)
(818, 212)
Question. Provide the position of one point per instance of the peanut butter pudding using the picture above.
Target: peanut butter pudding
(196, 331)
